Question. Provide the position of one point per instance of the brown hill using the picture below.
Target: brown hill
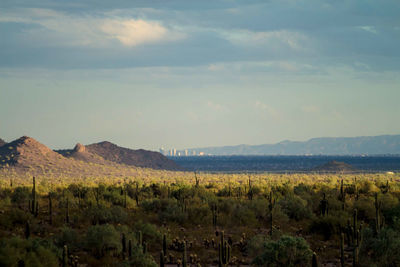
(107, 153)
(139, 158)
(80, 153)
(26, 155)
(335, 167)
(2, 142)
(26, 152)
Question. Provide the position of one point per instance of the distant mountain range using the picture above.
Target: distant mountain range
(28, 155)
(363, 145)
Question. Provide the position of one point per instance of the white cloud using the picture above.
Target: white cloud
(291, 39)
(60, 28)
(132, 32)
(370, 29)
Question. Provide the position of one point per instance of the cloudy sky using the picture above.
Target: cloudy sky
(182, 73)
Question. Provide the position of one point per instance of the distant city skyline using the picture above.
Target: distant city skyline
(182, 74)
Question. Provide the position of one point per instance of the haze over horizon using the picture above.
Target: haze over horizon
(146, 74)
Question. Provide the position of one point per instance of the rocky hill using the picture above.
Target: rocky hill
(140, 158)
(30, 156)
(2, 142)
(80, 153)
(108, 152)
(25, 153)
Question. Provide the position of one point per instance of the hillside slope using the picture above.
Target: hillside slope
(139, 158)
(27, 155)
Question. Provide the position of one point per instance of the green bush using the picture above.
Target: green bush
(101, 214)
(295, 207)
(287, 251)
(101, 239)
(33, 252)
(382, 250)
(21, 195)
(172, 213)
(327, 226)
(243, 216)
(150, 232)
(366, 208)
(69, 237)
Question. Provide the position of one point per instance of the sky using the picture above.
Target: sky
(184, 74)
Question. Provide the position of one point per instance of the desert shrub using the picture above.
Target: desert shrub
(282, 189)
(382, 249)
(327, 226)
(295, 207)
(368, 187)
(392, 215)
(242, 215)
(114, 196)
(287, 251)
(302, 189)
(33, 252)
(13, 217)
(388, 201)
(182, 193)
(259, 207)
(226, 205)
(101, 239)
(21, 195)
(172, 213)
(226, 191)
(101, 214)
(199, 215)
(149, 231)
(5, 202)
(69, 237)
(141, 260)
(157, 205)
(365, 207)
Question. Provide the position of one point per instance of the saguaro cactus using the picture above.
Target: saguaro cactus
(125, 199)
(137, 194)
(342, 250)
(65, 256)
(184, 258)
(342, 196)
(356, 238)
(224, 250)
(250, 194)
(123, 242)
(67, 212)
(33, 203)
(196, 179)
(324, 206)
(162, 259)
(314, 262)
(50, 210)
(27, 230)
(214, 211)
(378, 219)
(130, 248)
(164, 246)
(271, 205)
(140, 238)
